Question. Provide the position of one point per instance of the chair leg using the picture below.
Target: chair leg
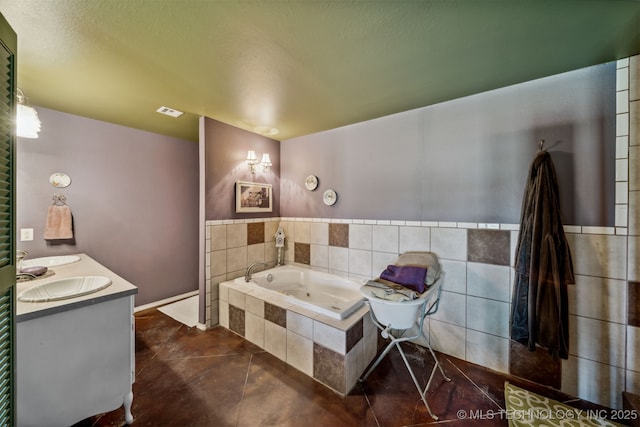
(415, 382)
(377, 362)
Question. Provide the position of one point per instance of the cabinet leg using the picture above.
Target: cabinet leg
(128, 401)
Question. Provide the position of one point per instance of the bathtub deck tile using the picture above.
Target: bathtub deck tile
(328, 368)
(254, 305)
(275, 314)
(300, 352)
(254, 329)
(329, 337)
(301, 325)
(303, 311)
(275, 340)
(237, 298)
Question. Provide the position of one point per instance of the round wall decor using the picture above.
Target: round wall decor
(311, 182)
(329, 197)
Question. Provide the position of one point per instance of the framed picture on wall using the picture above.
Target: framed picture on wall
(253, 197)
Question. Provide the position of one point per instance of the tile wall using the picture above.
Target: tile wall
(473, 320)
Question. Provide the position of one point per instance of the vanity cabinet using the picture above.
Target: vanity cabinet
(75, 364)
(75, 358)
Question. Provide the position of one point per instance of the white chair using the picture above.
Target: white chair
(397, 318)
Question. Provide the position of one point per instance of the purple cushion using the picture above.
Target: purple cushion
(409, 276)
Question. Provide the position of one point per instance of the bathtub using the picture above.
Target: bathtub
(325, 293)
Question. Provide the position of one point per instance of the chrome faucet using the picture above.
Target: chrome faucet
(247, 274)
(20, 254)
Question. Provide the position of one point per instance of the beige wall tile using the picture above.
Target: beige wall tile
(449, 243)
(360, 236)
(597, 340)
(593, 381)
(236, 235)
(598, 298)
(599, 255)
(485, 315)
(487, 350)
(360, 262)
(302, 231)
(319, 233)
(415, 239)
(452, 309)
(488, 281)
(385, 238)
(447, 338)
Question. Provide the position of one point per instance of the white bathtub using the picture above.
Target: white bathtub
(325, 293)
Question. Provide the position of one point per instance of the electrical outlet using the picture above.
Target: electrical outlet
(26, 234)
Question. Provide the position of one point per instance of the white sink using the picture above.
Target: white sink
(50, 261)
(64, 289)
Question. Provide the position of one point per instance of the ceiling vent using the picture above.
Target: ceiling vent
(169, 112)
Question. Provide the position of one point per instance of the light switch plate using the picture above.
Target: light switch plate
(26, 234)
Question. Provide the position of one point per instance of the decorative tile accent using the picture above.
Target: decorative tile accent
(354, 335)
(255, 233)
(339, 235)
(275, 314)
(633, 303)
(488, 246)
(328, 368)
(302, 253)
(236, 320)
(537, 366)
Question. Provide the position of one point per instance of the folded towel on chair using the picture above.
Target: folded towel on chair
(409, 276)
(59, 223)
(390, 292)
(392, 296)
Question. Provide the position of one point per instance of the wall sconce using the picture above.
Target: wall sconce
(27, 121)
(252, 161)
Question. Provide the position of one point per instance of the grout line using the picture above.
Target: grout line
(244, 388)
(366, 398)
(474, 383)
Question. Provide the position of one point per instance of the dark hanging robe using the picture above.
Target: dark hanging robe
(539, 313)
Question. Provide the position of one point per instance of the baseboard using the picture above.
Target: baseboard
(165, 301)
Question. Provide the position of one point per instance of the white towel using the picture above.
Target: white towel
(59, 223)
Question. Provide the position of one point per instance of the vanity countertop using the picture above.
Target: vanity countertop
(87, 266)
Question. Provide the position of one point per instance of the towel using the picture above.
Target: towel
(390, 290)
(409, 276)
(390, 296)
(59, 223)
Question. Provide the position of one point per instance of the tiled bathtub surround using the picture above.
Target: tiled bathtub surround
(473, 320)
(334, 352)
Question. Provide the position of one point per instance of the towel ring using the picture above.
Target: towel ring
(59, 200)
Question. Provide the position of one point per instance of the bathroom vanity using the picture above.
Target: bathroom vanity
(75, 357)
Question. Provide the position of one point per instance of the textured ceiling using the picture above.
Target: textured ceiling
(298, 66)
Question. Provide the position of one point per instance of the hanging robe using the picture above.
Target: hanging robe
(543, 265)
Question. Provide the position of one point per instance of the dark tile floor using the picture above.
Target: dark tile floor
(189, 377)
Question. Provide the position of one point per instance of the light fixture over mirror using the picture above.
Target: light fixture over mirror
(252, 161)
(27, 121)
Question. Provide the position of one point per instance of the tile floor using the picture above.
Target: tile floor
(189, 377)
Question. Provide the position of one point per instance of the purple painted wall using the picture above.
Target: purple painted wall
(133, 194)
(225, 151)
(465, 160)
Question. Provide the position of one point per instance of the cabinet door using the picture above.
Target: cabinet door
(8, 43)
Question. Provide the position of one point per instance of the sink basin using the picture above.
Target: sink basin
(64, 289)
(50, 261)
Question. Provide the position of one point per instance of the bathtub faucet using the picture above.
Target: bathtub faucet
(247, 274)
